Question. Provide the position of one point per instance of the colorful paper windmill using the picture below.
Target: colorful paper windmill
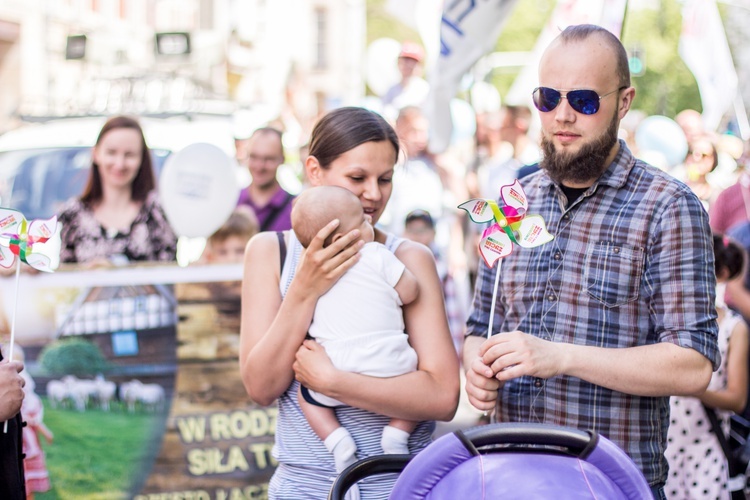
(511, 225)
(36, 243)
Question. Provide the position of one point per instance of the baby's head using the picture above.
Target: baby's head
(317, 206)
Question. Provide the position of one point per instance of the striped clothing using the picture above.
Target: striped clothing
(306, 469)
(631, 264)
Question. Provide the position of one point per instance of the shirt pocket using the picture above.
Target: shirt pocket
(613, 273)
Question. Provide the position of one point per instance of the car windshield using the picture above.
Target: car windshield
(37, 182)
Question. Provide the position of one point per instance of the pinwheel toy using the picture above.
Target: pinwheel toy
(511, 225)
(36, 243)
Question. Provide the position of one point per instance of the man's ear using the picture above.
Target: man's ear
(313, 170)
(626, 100)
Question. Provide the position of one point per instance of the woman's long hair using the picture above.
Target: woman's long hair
(144, 180)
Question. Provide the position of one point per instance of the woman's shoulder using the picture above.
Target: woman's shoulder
(71, 207)
(152, 201)
(265, 244)
(73, 212)
(414, 250)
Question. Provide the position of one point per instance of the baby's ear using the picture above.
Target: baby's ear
(336, 236)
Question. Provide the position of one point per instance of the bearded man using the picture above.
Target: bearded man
(597, 328)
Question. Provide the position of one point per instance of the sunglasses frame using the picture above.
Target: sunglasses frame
(592, 100)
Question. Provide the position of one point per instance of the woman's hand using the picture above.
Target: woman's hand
(321, 267)
(313, 368)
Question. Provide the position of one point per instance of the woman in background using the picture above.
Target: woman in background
(118, 217)
(697, 464)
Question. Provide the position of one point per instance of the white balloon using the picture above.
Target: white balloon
(198, 189)
(382, 65)
(661, 134)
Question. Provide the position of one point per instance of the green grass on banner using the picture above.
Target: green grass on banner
(95, 455)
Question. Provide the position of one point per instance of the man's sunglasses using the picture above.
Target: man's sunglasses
(583, 101)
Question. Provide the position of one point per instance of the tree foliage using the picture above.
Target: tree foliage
(668, 86)
(72, 356)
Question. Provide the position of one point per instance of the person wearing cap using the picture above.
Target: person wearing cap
(411, 90)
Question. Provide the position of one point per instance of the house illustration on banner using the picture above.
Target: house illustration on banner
(131, 324)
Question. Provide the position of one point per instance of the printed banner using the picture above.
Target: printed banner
(468, 30)
(138, 374)
(704, 48)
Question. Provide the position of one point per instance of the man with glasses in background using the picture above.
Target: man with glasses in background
(597, 328)
(271, 204)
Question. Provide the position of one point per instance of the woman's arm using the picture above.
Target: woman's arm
(734, 397)
(431, 392)
(272, 330)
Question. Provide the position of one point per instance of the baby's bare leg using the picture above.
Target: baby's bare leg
(336, 438)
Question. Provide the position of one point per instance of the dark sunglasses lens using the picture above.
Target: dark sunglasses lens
(585, 102)
(546, 99)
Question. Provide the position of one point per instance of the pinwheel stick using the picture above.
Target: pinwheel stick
(494, 297)
(13, 324)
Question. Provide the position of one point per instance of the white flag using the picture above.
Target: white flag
(468, 30)
(704, 48)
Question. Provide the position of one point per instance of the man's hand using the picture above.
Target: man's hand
(481, 386)
(514, 354)
(11, 389)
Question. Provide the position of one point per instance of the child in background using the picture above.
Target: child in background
(359, 320)
(420, 227)
(227, 244)
(697, 464)
(32, 411)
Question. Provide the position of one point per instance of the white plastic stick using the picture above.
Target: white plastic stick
(494, 297)
(13, 323)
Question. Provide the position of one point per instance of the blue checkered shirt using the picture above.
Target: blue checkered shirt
(631, 264)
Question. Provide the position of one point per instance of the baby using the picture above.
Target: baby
(359, 320)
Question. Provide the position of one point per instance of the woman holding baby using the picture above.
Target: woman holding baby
(356, 149)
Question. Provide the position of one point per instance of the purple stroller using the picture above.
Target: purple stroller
(508, 461)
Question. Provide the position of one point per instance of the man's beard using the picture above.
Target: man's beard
(585, 165)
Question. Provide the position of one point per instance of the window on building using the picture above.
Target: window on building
(140, 303)
(125, 343)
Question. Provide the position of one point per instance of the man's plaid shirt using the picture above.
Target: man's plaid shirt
(631, 264)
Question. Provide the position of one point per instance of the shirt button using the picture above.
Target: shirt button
(617, 250)
(537, 382)
(558, 256)
(566, 216)
(550, 297)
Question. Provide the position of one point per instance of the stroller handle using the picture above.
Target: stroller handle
(379, 464)
(576, 442)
